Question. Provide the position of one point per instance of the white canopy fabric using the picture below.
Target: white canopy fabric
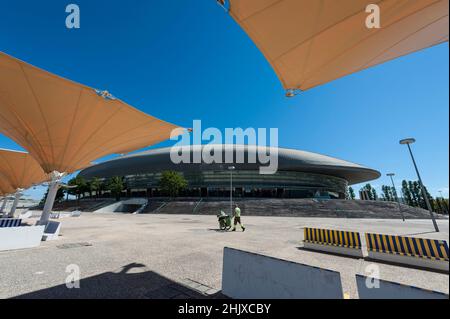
(312, 42)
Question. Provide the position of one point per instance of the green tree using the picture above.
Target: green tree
(374, 194)
(94, 186)
(389, 193)
(172, 183)
(351, 193)
(413, 196)
(418, 198)
(58, 199)
(407, 196)
(371, 192)
(394, 194)
(116, 186)
(430, 199)
(442, 204)
(445, 205)
(79, 186)
(415, 193)
(386, 193)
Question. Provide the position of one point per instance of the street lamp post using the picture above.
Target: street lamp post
(391, 175)
(231, 169)
(407, 142)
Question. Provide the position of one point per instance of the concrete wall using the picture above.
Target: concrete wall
(25, 214)
(334, 249)
(113, 207)
(441, 265)
(392, 290)
(109, 209)
(294, 208)
(250, 275)
(21, 206)
(20, 237)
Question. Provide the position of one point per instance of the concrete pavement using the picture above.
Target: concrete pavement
(180, 256)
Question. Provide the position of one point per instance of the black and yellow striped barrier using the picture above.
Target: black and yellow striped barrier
(337, 238)
(10, 222)
(408, 246)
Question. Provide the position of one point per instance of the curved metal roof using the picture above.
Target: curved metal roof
(159, 160)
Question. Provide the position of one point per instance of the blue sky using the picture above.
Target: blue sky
(186, 60)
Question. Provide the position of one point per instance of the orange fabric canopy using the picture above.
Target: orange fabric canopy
(65, 125)
(5, 187)
(19, 170)
(312, 42)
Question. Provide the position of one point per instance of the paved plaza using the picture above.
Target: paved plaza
(180, 256)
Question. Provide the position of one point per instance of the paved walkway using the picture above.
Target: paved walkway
(180, 256)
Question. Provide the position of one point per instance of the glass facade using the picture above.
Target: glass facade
(283, 184)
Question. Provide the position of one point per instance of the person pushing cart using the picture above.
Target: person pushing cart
(237, 218)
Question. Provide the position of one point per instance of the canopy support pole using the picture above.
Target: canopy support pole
(53, 187)
(224, 4)
(2, 209)
(292, 92)
(15, 203)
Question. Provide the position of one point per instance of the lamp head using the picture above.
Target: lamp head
(290, 93)
(407, 141)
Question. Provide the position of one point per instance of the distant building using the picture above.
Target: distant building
(300, 174)
(364, 195)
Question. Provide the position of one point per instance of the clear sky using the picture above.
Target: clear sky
(185, 60)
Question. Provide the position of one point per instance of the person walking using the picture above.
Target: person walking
(237, 218)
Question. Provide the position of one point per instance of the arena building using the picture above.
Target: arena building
(300, 174)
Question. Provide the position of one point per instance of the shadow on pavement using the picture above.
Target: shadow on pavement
(329, 253)
(422, 233)
(218, 230)
(130, 283)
